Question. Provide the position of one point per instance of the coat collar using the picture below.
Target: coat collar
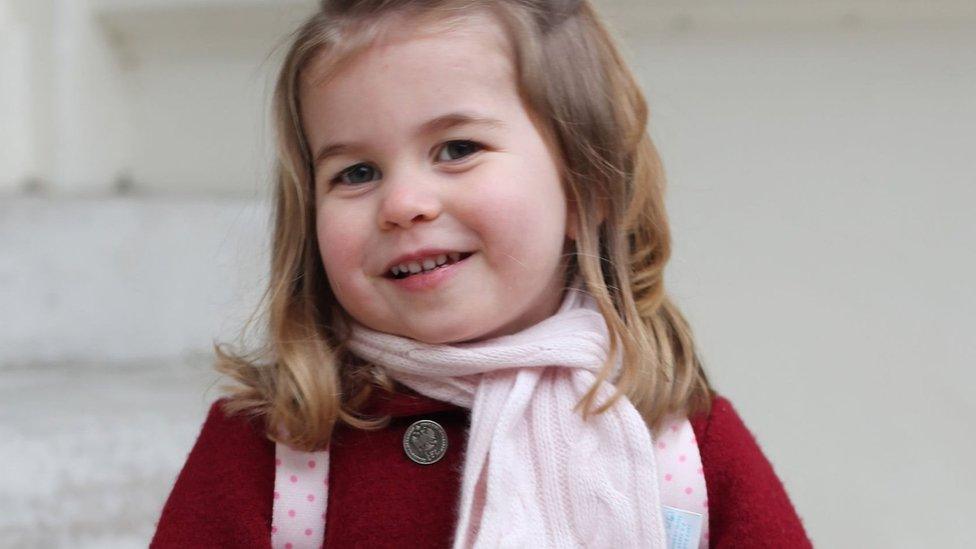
(405, 402)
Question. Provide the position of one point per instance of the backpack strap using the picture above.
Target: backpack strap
(301, 492)
(681, 480)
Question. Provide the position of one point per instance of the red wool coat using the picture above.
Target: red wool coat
(378, 497)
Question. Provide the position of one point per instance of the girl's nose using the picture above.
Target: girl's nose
(407, 200)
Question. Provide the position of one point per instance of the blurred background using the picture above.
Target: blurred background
(821, 190)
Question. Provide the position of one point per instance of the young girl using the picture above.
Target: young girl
(469, 338)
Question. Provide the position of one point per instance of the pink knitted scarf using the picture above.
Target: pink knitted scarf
(535, 473)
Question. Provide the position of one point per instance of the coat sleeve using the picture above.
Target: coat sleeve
(747, 503)
(222, 496)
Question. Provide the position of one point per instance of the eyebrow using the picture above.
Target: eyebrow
(439, 124)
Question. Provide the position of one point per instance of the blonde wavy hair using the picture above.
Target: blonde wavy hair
(574, 81)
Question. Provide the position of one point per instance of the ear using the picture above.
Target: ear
(572, 219)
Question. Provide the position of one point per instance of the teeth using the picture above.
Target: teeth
(427, 264)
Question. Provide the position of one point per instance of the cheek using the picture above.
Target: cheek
(525, 217)
(339, 243)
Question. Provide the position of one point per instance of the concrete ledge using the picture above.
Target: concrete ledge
(126, 278)
(91, 451)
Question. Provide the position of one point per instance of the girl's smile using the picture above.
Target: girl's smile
(439, 208)
(428, 273)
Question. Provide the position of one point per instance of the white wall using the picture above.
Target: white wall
(821, 191)
(200, 80)
(91, 133)
(16, 128)
(27, 97)
(157, 95)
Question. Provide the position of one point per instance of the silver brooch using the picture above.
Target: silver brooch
(425, 442)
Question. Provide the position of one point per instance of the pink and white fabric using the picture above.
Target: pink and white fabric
(300, 498)
(681, 476)
(521, 389)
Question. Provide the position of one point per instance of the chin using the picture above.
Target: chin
(441, 335)
(439, 338)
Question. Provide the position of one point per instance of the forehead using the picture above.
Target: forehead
(411, 71)
(398, 35)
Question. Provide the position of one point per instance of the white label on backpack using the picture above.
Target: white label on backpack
(683, 528)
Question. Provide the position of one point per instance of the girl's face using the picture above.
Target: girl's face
(425, 155)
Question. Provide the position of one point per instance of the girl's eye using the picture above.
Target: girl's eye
(458, 149)
(356, 175)
(364, 173)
